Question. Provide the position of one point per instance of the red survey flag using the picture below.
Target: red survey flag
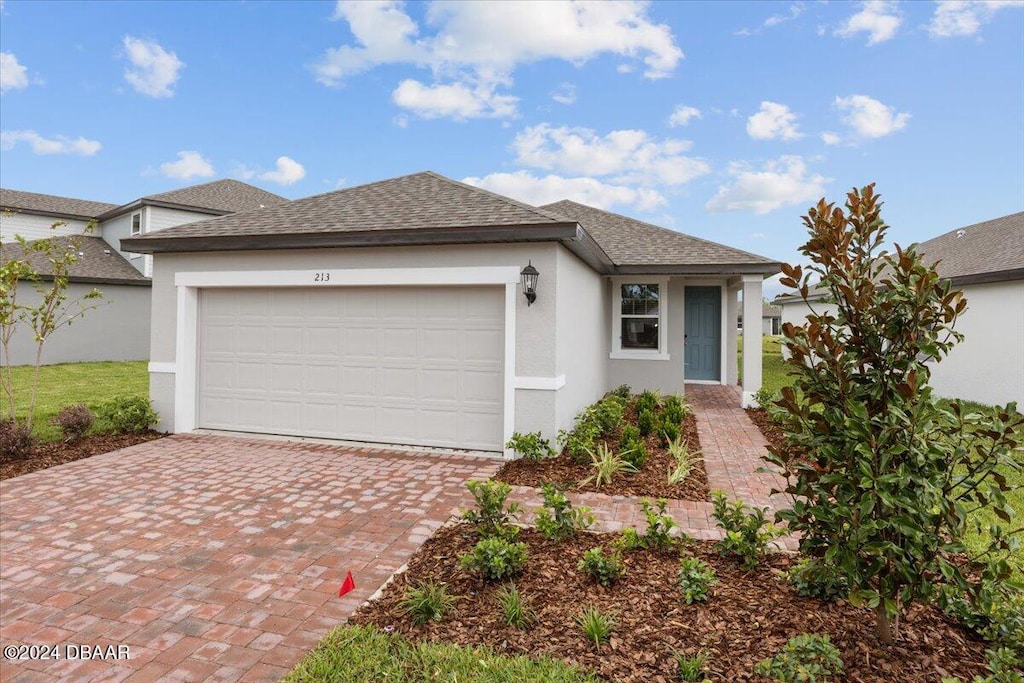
(347, 585)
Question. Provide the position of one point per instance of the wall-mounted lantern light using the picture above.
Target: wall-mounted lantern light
(530, 276)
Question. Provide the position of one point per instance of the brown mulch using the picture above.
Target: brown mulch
(54, 453)
(651, 480)
(769, 429)
(748, 617)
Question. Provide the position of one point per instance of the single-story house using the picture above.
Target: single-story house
(986, 262)
(424, 311)
(119, 329)
(771, 320)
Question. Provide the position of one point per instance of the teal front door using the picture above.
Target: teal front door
(703, 331)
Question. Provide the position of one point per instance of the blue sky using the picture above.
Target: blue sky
(722, 120)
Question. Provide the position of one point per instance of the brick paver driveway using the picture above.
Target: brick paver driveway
(211, 558)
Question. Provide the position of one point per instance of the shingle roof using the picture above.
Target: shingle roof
(97, 262)
(413, 202)
(33, 202)
(220, 195)
(628, 241)
(988, 247)
(770, 311)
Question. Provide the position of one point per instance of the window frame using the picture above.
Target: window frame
(131, 224)
(617, 351)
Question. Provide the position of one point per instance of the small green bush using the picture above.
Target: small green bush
(74, 421)
(604, 569)
(1005, 666)
(581, 439)
(558, 519)
(606, 464)
(804, 659)
(816, 578)
(16, 440)
(993, 609)
(657, 536)
(530, 446)
(428, 601)
(515, 610)
(629, 434)
(646, 421)
(747, 534)
(491, 517)
(691, 667)
(622, 391)
(495, 559)
(764, 397)
(668, 431)
(608, 413)
(647, 400)
(675, 410)
(597, 626)
(129, 414)
(696, 579)
(635, 453)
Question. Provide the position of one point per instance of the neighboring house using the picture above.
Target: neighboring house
(771, 320)
(120, 329)
(986, 262)
(392, 312)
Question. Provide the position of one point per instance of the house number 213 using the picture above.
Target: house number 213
(321, 277)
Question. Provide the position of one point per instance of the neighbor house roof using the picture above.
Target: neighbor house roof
(51, 205)
(97, 262)
(427, 208)
(770, 311)
(219, 197)
(629, 242)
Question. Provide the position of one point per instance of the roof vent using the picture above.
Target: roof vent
(961, 233)
(107, 252)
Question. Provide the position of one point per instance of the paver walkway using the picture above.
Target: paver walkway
(732, 447)
(212, 558)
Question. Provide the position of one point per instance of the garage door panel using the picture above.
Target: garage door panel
(389, 364)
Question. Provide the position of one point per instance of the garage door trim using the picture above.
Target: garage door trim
(187, 339)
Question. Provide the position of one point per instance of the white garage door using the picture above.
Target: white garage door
(402, 365)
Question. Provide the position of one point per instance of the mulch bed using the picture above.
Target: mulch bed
(748, 617)
(46, 455)
(769, 429)
(651, 480)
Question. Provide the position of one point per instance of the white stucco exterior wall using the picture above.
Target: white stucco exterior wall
(33, 227)
(665, 375)
(120, 227)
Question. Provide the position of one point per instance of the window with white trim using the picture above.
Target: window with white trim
(136, 223)
(638, 319)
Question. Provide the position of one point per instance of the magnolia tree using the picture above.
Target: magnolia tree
(884, 478)
(53, 309)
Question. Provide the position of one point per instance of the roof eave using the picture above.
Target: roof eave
(589, 251)
(766, 269)
(48, 214)
(139, 203)
(982, 278)
(156, 243)
(86, 280)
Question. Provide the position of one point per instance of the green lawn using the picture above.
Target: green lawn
(69, 383)
(355, 654)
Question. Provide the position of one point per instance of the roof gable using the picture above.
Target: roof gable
(48, 204)
(220, 195)
(983, 248)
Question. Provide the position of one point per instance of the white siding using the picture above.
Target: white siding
(119, 228)
(159, 218)
(33, 227)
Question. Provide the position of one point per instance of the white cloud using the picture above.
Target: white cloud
(190, 164)
(458, 101)
(965, 17)
(287, 172)
(778, 183)
(565, 94)
(773, 121)
(869, 118)
(878, 18)
(13, 76)
(58, 144)
(535, 190)
(479, 44)
(682, 115)
(795, 10)
(830, 138)
(627, 156)
(153, 70)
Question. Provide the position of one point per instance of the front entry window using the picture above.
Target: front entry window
(640, 316)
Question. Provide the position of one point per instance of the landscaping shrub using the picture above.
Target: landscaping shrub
(691, 667)
(606, 464)
(494, 559)
(675, 410)
(648, 400)
(668, 431)
(427, 602)
(875, 464)
(657, 536)
(581, 439)
(764, 397)
(597, 626)
(622, 391)
(815, 578)
(635, 453)
(992, 609)
(608, 413)
(530, 446)
(16, 438)
(680, 453)
(629, 434)
(646, 421)
(747, 534)
(805, 659)
(491, 517)
(74, 421)
(515, 610)
(558, 519)
(129, 414)
(604, 569)
(696, 579)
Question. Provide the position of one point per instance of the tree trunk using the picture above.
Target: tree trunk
(882, 626)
